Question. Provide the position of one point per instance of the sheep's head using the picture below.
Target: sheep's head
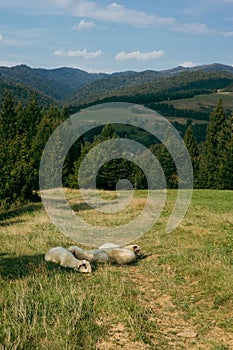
(135, 248)
(83, 266)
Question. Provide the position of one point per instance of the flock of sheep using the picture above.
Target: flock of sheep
(82, 260)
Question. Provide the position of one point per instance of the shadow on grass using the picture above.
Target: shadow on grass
(17, 212)
(84, 206)
(20, 266)
(12, 268)
(37, 206)
(81, 206)
(8, 223)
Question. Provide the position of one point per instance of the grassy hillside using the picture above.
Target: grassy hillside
(178, 297)
(197, 108)
(206, 102)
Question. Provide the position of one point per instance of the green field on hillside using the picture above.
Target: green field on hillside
(178, 296)
(204, 102)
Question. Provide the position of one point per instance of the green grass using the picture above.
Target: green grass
(204, 102)
(183, 283)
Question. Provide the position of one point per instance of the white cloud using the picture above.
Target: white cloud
(188, 64)
(118, 13)
(192, 28)
(112, 13)
(1, 37)
(79, 53)
(116, 6)
(121, 14)
(199, 28)
(141, 56)
(115, 13)
(84, 25)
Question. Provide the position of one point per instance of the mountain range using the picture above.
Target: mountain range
(72, 86)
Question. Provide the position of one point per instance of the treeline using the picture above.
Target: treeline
(151, 100)
(167, 109)
(25, 129)
(212, 159)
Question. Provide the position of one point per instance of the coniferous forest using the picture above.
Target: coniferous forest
(32, 106)
(25, 129)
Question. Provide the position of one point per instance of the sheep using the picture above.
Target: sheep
(93, 255)
(115, 254)
(120, 255)
(65, 258)
(133, 247)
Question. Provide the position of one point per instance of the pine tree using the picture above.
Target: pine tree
(54, 156)
(111, 172)
(192, 147)
(168, 166)
(214, 168)
(8, 118)
(225, 151)
(108, 132)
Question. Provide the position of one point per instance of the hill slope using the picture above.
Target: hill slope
(22, 93)
(55, 83)
(148, 87)
(74, 86)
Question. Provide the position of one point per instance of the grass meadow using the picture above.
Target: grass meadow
(178, 296)
(206, 101)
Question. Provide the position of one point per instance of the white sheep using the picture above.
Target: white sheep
(65, 258)
(93, 255)
(117, 255)
(133, 247)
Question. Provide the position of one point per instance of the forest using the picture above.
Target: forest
(26, 127)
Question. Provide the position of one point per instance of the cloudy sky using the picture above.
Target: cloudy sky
(106, 36)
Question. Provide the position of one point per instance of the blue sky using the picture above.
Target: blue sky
(108, 36)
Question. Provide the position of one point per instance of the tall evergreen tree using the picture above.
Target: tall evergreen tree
(111, 172)
(225, 151)
(215, 161)
(8, 118)
(168, 166)
(50, 121)
(192, 147)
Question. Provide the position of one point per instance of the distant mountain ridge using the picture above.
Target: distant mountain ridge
(157, 85)
(56, 83)
(206, 67)
(71, 85)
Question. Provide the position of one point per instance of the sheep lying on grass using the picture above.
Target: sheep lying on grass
(120, 255)
(80, 260)
(65, 258)
(116, 254)
(93, 255)
(133, 247)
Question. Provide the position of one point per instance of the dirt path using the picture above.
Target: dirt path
(174, 332)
